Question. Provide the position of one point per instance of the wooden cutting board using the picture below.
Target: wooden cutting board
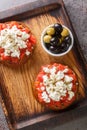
(20, 107)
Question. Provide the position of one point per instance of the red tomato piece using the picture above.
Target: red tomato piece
(40, 77)
(23, 50)
(22, 55)
(40, 97)
(74, 89)
(64, 98)
(13, 23)
(1, 50)
(3, 57)
(61, 67)
(29, 45)
(4, 26)
(74, 77)
(57, 104)
(26, 30)
(14, 59)
(32, 39)
(0, 26)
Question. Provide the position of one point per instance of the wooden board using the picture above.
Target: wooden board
(20, 107)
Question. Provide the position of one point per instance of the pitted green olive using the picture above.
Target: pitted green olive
(47, 38)
(50, 31)
(65, 32)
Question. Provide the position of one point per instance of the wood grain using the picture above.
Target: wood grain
(16, 83)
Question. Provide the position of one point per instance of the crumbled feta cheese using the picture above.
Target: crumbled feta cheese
(45, 69)
(68, 79)
(12, 40)
(15, 54)
(53, 70)
(42, 88)
(60, 75)
(27, 52)
(45, 97)
(45, 78)
(65, 70)
(55, 96)
(71, 94)
(69, 86)
(57, 84)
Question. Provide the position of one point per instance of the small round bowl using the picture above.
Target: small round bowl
(58, 54)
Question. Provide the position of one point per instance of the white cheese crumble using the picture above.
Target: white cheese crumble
(45, 97)
(57, 84)
(27, 52)
(71, 94)
(12, 40)
(68, 79)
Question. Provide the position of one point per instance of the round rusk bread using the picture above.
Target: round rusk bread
(56, 86)
(16, 43)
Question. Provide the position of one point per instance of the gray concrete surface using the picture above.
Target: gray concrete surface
(80, 124)
(77, 10)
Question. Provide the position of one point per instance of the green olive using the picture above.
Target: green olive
(50, 31)
(65, 32)
(47, 38)
(61, 39)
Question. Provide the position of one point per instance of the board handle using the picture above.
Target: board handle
(27, 7)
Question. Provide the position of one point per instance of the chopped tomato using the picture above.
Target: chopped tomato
(23, 50)
(37, 84)
(13, 23)
(22, 55)
(14, 59)
(61, 67)
(1, 50)
(57, 104)
(40, 97)
(4, 26)
(26, 30)
(64, 98)
(32, 39)
(74, 89)
(0, 26)
(3, 57)
(69, 71)
(74, 77)
(40, 77)
(29, 45)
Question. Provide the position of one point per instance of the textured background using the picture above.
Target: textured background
(77, 10)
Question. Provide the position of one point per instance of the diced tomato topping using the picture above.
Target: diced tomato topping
(4, 26)
(13, 23)
(1, 50)
(26, 30)
(74, 89)
(69, 71)
(0, 26)
(29, 45)
(14, 59)
(57, 104)
(64, 98)
(32, 39)
(74, 77)
(61, 67)
(23, 50)
(22, 55)
(40, 97)
(3, 57)
(40, 77)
